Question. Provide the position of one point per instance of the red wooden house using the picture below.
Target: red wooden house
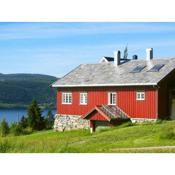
(118, 89)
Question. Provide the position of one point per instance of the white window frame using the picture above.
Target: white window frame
(140, 95)
(109, 98)
(66, 97)
(83, 98)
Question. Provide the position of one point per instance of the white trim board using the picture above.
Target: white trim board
(108, 85)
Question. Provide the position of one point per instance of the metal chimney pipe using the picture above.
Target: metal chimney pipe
(117, 56)
(149, 54)
(149, 57)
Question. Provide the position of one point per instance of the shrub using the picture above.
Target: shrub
(160, 121)
(27, 130)
(168, 133)
(4, 146)
(49, 120)
(16, 129)
(4, 128)
(23, 122)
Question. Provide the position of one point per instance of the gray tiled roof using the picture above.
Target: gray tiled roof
(107, 74)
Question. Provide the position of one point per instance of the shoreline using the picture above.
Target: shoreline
(16, 106)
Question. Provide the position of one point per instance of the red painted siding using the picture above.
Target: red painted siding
(138, 109)
(126, 100)
(97, 116)
(95, 97)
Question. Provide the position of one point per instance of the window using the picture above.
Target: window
(138, 69)
(66, 98)
(140, 95)
(156, 68)
(83, 98)
(112, 98)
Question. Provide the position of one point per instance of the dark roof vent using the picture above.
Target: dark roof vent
(134, 57)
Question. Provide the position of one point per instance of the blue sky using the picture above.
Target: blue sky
(57, 48)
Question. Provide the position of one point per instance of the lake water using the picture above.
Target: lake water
(12, 115)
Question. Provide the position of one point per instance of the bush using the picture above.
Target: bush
(27, 130)
(4, 146)
(23, 122)
(160, 121)
(16, 129)
(4, 128)
(168, 133)
(49, 120)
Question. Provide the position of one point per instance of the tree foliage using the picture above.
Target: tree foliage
(125, 55)
(23, 122)
(34, 119)
(4, 128)
(16, 129)
(49, 120)
(21, 89)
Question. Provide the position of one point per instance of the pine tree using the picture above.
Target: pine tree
(125, 56)
(23, 122)
(49, 120)
(4, 128)
(35, 120)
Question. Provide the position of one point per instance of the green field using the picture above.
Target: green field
(155, 137)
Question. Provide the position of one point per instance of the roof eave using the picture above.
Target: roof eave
(107, 85)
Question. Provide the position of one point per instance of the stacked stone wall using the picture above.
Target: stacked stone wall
(69, 122)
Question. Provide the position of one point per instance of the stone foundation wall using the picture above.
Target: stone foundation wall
(69, 122)
(142, 120)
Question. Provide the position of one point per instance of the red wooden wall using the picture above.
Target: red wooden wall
(126, 100)
(97, 116)
(138, 109)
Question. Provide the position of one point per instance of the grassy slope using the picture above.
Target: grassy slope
(109, 140)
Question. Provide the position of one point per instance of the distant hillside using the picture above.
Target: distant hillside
(18, 90)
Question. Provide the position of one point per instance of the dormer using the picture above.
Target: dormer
(106, 60)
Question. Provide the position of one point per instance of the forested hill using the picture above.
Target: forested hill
(18, 90)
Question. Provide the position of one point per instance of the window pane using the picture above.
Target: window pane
(67, 98)
(112, 98)
(83, 98)
(140, 96)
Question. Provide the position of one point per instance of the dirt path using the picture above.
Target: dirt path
(146, 149)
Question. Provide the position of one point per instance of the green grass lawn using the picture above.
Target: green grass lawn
(104, 141)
